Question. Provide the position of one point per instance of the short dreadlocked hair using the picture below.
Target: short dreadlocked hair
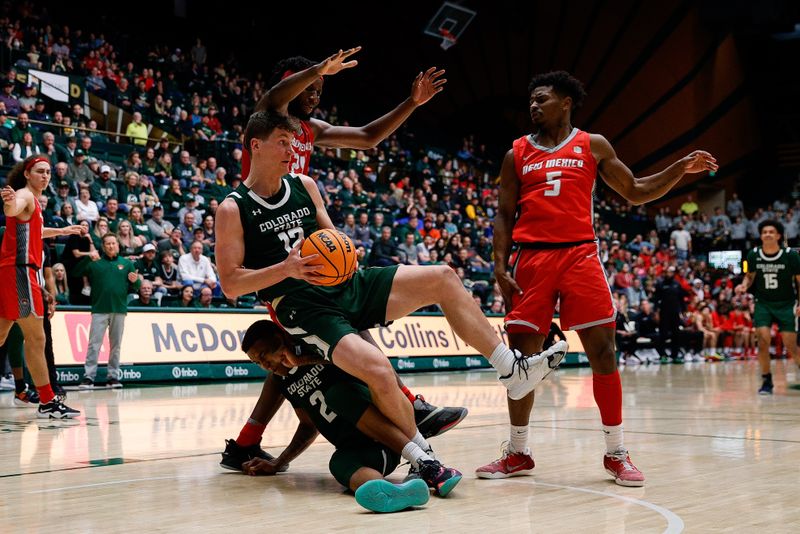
(562, 83)
(290, 64)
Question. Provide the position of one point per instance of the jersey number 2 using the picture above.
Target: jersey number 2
(291, 237)
(318, 397)
(552, 179)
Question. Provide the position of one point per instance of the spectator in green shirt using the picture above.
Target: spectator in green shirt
(111, 276)
(103, 189)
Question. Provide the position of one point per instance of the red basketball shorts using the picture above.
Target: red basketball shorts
(573, 275)
(20, 293)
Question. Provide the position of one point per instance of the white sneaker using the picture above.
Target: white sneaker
(528, 371)
(7, 384)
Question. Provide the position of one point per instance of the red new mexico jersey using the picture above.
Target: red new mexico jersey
(22, 242)
(556, 184)
(303, 144)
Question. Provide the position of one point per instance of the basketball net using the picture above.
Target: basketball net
(448, 39)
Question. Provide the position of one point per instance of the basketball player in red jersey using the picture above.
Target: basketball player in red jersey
(296, 87)
(546, 186)
(21, 258)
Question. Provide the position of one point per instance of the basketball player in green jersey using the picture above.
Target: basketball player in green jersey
(773, 276)
(260, 229)
(330, 402)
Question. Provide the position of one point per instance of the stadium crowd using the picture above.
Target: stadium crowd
(400, 202)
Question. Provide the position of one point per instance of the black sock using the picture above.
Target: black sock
(20, 385)
(767, 376)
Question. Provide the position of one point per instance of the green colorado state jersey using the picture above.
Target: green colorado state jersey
(272, 226)
(306, 388)
(774, 275)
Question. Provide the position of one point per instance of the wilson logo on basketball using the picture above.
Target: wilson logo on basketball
(78, 332)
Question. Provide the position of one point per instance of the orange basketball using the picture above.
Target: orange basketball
(337, 256)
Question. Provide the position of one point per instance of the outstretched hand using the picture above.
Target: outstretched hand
(336, 63)
(261, 466)
(426, 85)
(699, 161)
(8, 194)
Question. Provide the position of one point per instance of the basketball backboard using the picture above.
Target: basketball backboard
(449, 23)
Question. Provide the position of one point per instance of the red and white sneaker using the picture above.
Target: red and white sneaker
(510, 464)
(619, 466)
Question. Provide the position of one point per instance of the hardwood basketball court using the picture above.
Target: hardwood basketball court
(717, 458)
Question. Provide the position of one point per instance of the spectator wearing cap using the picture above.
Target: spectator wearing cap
(28, 99)
(195, 269)
(9, 99)
(337, 212)
(199, 200)
(104, 189)
(137, 130)
(149, 269)
(190, 206)
(63, 196)
(428, 229)
(159, 227)
(79, 172)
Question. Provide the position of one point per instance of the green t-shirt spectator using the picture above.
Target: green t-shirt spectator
(110, 285)
(101, 190)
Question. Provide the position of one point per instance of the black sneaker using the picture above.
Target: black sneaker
(26, 398)
(113, 383)
(766, 386)
(56, 409)
(434, 421)
(86, 384)
(439, 478)
(235, 455)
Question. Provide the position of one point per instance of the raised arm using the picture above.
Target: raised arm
(640, 190)
(235, 279)
(503, 225)
(282, 93)
(425, 86)
(14, 204)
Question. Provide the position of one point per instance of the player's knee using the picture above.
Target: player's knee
(446, 278)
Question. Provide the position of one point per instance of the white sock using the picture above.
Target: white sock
(412, 453)
(423, 444)
(613, 435)
(502, 358)
(518, 441)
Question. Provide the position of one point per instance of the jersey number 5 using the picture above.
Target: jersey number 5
(552, 179)
(291, 237)
(318, 397)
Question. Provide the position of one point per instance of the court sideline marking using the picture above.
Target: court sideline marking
(675, 524)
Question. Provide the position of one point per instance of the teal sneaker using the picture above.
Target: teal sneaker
(383, 496)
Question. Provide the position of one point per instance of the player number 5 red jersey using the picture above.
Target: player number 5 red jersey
(556, 185)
